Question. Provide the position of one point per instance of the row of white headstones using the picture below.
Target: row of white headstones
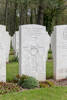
(4, 51)
(31, 44)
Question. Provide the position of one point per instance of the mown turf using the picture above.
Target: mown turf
(12, 71)
(49, 69)
(56, 93)
(12, 68)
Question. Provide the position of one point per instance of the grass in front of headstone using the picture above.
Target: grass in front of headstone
(49, 66)
(12, 68)
(49, 69)
(52, 93)
(50, 55)
(12, 71)
(55, 93)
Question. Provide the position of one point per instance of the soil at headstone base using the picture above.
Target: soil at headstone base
(62, 82)
(9, 87)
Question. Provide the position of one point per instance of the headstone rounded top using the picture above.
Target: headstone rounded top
(60, 26)
(17, 32)
(33, 26)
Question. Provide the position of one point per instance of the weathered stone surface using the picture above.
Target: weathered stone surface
(59, 49)
(2, 55)
(34, 46)
(15, 43)
(4, 52)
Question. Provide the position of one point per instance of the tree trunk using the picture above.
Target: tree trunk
(40, 16)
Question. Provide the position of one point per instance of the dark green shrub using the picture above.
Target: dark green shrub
(21, 80)
(30, 83)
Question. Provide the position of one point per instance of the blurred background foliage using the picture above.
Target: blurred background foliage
(43, 12)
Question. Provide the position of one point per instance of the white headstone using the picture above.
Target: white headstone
(2, 64)
(8, 40)
(2, 55)
(13, 42)
(4, 52)
(17, 43)
(34, 45)
(59, 49)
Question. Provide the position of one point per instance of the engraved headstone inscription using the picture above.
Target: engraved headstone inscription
(33, 51)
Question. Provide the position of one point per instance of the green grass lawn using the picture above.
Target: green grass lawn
(12, 68)
(55, 93)
(49, 69)
(12, 71)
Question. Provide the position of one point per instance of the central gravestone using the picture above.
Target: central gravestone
(59, 49)
(34, 46)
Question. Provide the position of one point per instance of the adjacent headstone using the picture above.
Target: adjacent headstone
(4, 51)
(59, 49)
(2, 63)
(2, 55)
(33, 51)
(15, 43)
(7, 41)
